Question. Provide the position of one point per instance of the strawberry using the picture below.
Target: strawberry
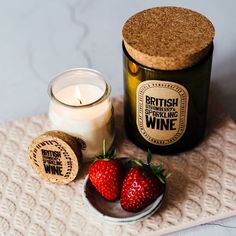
(142, 185)
(107, 174)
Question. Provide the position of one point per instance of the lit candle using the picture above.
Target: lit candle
(80, 105)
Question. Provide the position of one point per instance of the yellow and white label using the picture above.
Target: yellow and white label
(162, 109)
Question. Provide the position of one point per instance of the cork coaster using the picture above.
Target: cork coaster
(56, 156)
(168, 38)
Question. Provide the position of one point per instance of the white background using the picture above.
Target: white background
(41, 38)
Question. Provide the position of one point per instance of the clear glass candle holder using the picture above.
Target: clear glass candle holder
(80, 105)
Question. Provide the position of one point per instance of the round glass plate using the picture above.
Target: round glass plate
(112, 211)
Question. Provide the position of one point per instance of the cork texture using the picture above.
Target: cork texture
(202, 187)
(168, 38)
(55, 156)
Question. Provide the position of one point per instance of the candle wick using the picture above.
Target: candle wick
(80, 102)
(78, 95)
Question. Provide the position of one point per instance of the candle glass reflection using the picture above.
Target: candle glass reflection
(80, 105)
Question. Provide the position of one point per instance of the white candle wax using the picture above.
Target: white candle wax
(78, 95)
(83, 117)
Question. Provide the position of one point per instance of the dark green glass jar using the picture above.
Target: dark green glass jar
(195, 80)
(165, 110)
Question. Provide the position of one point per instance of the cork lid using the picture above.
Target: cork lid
(56, 156)
(168, 38)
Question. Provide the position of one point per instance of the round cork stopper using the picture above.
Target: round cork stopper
(56, 156)
(168, 38)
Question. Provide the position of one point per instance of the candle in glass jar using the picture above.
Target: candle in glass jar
(80, 106)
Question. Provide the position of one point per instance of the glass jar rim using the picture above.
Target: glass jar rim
(106, 93)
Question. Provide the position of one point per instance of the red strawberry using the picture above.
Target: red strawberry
(142, 185)
(106, 175)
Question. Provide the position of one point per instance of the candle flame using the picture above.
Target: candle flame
(78, 95)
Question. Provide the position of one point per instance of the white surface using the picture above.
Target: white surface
(39, 39)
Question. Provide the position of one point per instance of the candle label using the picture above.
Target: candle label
(162, 109)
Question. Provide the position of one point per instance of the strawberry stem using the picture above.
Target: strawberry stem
(156, 170)
(104, 147)
(149, 156)
(139, 163)
(106, 154)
